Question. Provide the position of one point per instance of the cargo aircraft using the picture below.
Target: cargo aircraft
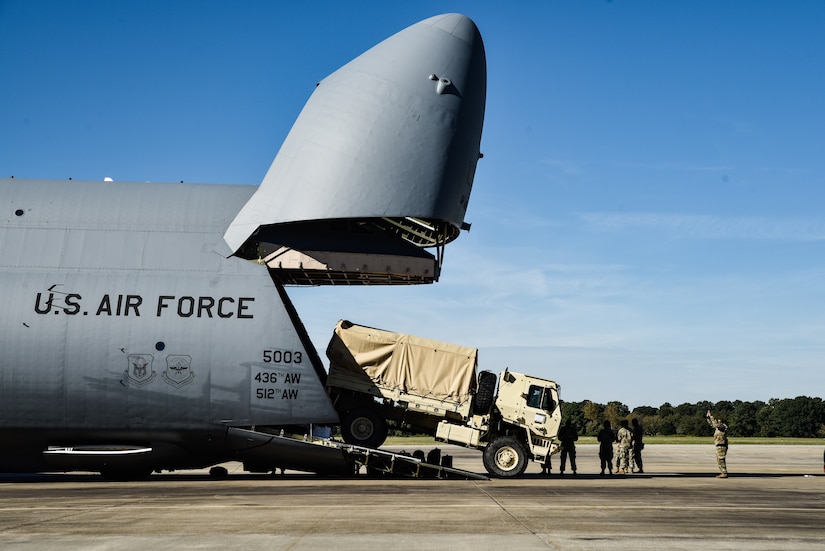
(146, 326)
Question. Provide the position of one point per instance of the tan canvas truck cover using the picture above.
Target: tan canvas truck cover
(405, 363)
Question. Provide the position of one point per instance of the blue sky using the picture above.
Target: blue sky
(647, 222)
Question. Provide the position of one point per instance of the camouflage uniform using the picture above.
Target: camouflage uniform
(625, 448)
(720, 438)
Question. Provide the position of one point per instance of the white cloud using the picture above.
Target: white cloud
(642, 377)
(712, 227)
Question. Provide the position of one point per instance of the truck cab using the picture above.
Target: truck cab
(529, 415)
(529, 402)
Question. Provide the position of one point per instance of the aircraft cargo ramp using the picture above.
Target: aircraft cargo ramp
(263, 452)
(380, 462)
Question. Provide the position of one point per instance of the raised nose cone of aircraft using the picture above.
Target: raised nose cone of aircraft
(391, 140)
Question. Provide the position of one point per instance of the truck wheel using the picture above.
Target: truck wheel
(505, 457)
(364, 427)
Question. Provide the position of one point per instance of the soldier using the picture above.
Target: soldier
(606, 438)
(568, 437)
(720, 438)
(547, 466)
(625, 447)
(638, 443)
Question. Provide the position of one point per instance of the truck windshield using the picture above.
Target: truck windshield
(540, 398)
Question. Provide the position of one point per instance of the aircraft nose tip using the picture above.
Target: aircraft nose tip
(393, 134)
(456, 24)
(464, 29)
(459, 26)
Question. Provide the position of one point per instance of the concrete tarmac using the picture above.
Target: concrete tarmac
(774, 499)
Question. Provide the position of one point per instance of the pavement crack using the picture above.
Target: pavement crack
(513, 517)
(58, 517)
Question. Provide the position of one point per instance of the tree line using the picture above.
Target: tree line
(800, 417)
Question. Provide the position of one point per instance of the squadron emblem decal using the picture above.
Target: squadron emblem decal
(178, 371)
(139, 370)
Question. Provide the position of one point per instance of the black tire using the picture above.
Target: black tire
(483, 400)
(364, 427)
(218, 472)
(505, 457)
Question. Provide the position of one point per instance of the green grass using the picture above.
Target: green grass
(652, 440)
(733, 440)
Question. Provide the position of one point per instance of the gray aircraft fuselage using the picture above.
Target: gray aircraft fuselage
(124, 312)
(146, 326)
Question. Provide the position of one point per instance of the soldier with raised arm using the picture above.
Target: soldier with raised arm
(720, 438)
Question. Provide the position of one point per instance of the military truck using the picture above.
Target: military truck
(425, 386)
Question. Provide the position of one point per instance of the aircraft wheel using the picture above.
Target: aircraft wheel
(218, 472)
(505, 457)
(364, 427)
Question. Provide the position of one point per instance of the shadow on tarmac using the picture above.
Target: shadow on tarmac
(34, 478)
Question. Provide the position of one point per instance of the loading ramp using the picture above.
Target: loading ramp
(381, 462)
(263, 451)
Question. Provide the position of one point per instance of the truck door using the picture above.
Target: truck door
(541, 403)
